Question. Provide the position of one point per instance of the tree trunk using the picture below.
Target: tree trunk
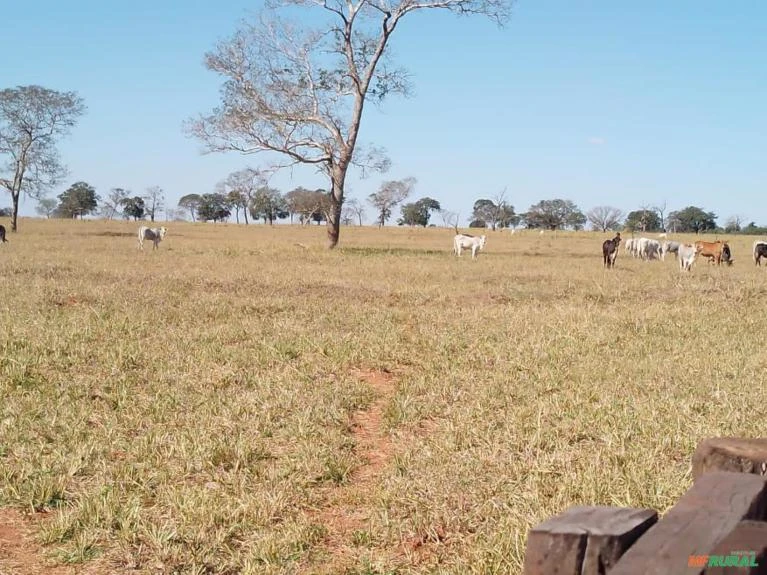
(15, 215)
(338, 178)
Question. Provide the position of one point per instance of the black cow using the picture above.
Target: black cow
(760, 251)
(2, 234)
(610, 250)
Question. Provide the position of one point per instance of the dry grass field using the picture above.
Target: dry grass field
(244, 401)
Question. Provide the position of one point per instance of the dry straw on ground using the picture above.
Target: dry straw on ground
(243, 401)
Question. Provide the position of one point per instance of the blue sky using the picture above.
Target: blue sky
(600, 102)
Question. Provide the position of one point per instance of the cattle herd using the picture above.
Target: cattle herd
(717, 252)
(641, 248)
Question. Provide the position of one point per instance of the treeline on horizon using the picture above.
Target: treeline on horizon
(243, 193)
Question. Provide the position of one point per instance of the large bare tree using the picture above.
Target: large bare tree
(604, 218)
(298, 91)
(32, 118)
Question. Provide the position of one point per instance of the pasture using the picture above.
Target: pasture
(244, 401)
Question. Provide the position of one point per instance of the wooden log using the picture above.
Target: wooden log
(730, 454)
(704, 515)
(584, 540)
(749, 540)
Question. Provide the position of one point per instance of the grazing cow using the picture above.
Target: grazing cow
(648, 249)
(717, 251)
(468, 241)
(610, 250)
(760, 251)
(2, 234)
(155, 235)
(686, 254)
(669, 247)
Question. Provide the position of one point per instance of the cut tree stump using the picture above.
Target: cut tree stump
(584, 540)
(730, 454)
(705, 515)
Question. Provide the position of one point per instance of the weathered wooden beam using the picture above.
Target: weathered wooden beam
(730, 454)
(584, 540)
(704, 515)
(747, 543)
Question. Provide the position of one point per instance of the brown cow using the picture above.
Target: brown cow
(610, 250)
(718, 251)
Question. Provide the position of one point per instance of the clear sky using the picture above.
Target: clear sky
(600, 102)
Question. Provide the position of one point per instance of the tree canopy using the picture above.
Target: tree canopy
(80, 199)
(692, 219)
(605, 218)
(389, 195)
(495, 213)
(555, 214)
(134, 208)
(643, 220)
(418, 213)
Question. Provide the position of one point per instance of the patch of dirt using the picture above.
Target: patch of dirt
(20, 554)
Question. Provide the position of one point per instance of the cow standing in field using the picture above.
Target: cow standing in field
(610, 250)
(686, 254)
(2, 234)
(468, 241)
(718, 251)
(669, 247)
(759, 251)
(155, 235)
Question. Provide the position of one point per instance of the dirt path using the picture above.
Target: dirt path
(348, 507)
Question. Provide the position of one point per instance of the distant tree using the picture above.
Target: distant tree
(733, 224)
(134, 208)
(321, 211)
(554, 214)
(353, 208)
(661, 211)
(46, 206)
(576, 220)
(6, 212)
(644, 220)
(175, 214)
(418, 213)
(32, 118)
(692, 219)
(79, 200)
(449, 219)
(240, 188)
(213, 207)
(192, 203)
(113, 202)
(604, 218)
(389, 195)
(236, 201)
(497, 212)
(154, 200)
(268, 204)
(478, 224)
(754, 230)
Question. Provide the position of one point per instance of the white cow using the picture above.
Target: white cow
(466, 241)
(155, 235)
(687, 254)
